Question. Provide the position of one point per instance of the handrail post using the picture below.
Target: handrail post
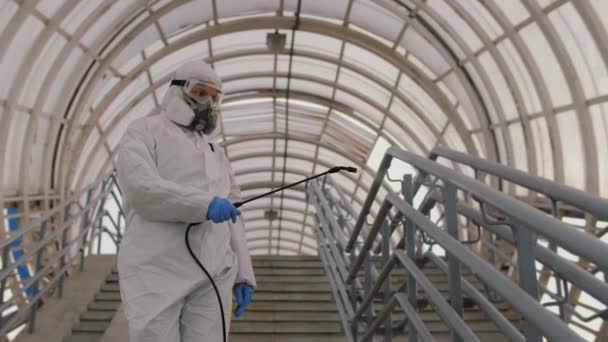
(100, 223)
(353, 296)
(526, 264)
(368, 286)
(454, 271)
(5, 252)
(387, 288)
(558, 279)
(36, 284)
(64, 241)
(407, 191)
(85, 223)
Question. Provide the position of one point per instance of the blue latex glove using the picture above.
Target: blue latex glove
(221, 209)
(243, 293)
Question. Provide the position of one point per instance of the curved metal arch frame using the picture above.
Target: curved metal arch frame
(496, 103)
(344, 64)
(18, 86)
(136, 100)
(260, 23)
(577, 93)
(114, 122)
(538, 81)
(511, 83)
(455, 67)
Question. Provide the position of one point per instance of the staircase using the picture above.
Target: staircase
(94, 322)
(293, 303)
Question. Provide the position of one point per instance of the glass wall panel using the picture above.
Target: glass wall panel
(514, 10)
(582, 49)
(113, 19)
(424, 51)
(78, 14)
(599, 118)
(458, 24)
(376, 19)
(371, 63)
(574, 166)
(521, 75)
(364, 86)
(548, 64)
(543, 146)
(40, 70)
(56, 93)
(13, 57)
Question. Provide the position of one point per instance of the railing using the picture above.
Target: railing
(349, 252)
(593, 208)
(65, 236)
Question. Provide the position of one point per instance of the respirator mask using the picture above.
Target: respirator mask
(204, 99)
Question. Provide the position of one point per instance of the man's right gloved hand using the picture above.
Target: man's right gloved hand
(221, 209)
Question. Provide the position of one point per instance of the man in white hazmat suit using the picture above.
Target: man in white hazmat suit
(172, 176)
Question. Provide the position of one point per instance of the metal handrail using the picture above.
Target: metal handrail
(89, 215)
(484, 304)
(520, 227)
(40, 293)
(566, 269)
(6, 270)
(47, 215)
(595, 205)
(530, 309)
(551, 228)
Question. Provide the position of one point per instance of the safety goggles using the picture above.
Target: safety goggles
(201, 91)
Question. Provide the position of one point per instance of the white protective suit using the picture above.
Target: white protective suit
(169, 175)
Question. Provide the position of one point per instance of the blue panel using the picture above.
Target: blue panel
(13, 225)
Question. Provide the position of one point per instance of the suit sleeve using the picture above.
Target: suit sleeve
(238, 240)
(146, 192)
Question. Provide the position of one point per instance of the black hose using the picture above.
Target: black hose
(217, 292)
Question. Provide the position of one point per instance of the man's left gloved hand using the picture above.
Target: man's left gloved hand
(243, 293)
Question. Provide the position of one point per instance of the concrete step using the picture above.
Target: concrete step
(94, 322)
(279, 307)
(241, 327)
(313, 275)
(298, 316)
(90, 327)
(83, 338)
(289, 271)
(293, 303)
(104, 306)
(97, 316)
(278, 277)
(108, 297)
(255, 258)
(287, 338)
(439, 337)
(286, 264)
(262, 287)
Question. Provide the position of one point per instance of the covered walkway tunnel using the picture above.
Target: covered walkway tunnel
(490, 112)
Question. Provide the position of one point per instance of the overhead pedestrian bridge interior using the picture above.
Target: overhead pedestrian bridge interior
(479, 130)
